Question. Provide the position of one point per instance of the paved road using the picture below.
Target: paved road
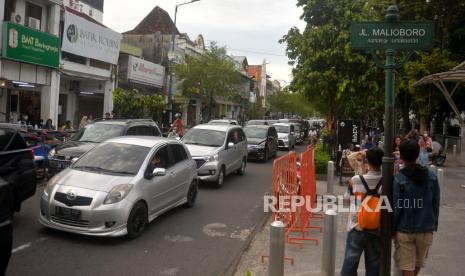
(205, 240)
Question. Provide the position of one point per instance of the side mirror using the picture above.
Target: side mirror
(230, 145)
(159, 172)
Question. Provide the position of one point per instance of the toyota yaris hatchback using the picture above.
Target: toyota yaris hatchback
(118, 187)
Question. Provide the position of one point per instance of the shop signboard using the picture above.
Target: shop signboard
(85, 38)
(348, 131)
(145, 72)
(28, 45)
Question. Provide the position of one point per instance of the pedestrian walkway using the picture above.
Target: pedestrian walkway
(445, 257)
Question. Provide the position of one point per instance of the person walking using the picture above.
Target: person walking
(426, 147)
(416, 198)
(359, 239)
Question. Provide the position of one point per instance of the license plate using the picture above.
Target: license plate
(68, 213)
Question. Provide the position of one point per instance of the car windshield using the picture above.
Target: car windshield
(256, 122)
(113, 158)
(97, 133)
(204, 137)
(255, 132)
(219, 123)
(282, 129)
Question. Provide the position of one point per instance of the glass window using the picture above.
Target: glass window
(282, 129)
(204, 137)
(97, 133)
(17, 143)
(161, 159)
(154, 131)
(113, 158)
(33, 11)
(179, 153)
(5, 137)
(135, 130)
(255, 132)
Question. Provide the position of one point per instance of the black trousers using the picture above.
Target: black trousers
(6, 243)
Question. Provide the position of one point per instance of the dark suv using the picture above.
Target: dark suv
(88, 137)
(16, 161)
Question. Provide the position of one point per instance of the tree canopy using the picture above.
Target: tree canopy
(209, 77)
(133, 104)
(344, 83)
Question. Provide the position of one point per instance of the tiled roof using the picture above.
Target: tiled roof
(158, 20)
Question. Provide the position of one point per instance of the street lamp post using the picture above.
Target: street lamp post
(173, 38)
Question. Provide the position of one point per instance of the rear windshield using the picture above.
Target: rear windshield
(5, 137)
(97, 133)
(204, 137)
(282, 129)
(255, 132)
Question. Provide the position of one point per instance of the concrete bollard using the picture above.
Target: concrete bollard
(277, 236)
(446, 144)
(328, 259)
(454, 152)
(330, 179)
(440, 177)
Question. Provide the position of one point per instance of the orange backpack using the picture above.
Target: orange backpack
(369, 215)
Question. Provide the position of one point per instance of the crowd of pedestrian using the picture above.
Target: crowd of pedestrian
(415, 205)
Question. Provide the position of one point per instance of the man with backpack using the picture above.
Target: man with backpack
(416, 210)
(364, 219)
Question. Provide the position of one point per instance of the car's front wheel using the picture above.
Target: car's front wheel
(220, 180)
(137, 221)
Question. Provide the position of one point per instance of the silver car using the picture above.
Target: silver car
(120, 186)
(219, 150)
(286, 135)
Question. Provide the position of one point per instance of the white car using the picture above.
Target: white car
(219, 150)
(286, 135)
(119, 186)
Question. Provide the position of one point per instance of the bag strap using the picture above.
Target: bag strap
(371, 191)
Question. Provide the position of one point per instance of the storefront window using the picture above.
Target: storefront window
(33, 11)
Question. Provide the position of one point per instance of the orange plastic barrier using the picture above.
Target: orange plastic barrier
(284, 188)
(285, 191)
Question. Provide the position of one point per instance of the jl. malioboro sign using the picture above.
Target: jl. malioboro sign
(31, 46)
(403, 35)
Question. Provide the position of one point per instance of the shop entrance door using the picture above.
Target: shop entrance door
(90, 106)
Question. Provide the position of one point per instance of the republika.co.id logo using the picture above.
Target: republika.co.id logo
(72, 33)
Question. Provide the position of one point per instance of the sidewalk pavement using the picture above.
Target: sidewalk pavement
(446, 257)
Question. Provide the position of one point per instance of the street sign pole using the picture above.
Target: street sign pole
(390, 35)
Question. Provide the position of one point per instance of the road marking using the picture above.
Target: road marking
(169, 272)
(26, 245)
(211, 229)
(178, 238)
(241, 235)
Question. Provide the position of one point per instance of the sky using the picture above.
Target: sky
(250, 28)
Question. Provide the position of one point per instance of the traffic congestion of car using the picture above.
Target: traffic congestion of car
(113, 177)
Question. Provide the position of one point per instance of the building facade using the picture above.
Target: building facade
(30, 61)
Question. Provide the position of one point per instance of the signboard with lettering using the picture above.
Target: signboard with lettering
(29, 45)
(145, 72)
(84, 38)
(348, 131)
(402, 35)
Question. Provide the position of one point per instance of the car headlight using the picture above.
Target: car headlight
(52, 153)
(118, 193)
(50, 185)
(261, 146)
(285, 138)
(211, 158)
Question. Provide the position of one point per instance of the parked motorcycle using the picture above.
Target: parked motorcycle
(439, 159)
